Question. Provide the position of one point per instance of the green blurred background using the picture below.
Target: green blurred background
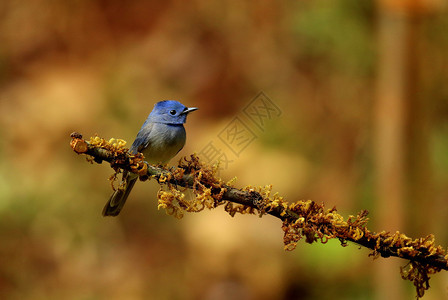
(363, 91)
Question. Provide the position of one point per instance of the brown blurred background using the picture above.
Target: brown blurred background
(362, 87)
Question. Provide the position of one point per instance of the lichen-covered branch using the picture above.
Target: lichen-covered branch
(304, 219)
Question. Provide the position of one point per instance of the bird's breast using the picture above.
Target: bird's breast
(165, 141)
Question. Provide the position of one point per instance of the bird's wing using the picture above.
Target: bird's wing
(142, 139)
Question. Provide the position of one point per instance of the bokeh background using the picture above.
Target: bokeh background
(362, 89)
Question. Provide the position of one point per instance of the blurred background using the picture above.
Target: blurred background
(362, 97)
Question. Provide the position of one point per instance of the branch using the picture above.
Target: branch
(303, 219)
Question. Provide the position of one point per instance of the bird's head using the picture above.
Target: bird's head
(170, 112)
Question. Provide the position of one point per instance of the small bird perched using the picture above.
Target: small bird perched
(161, 137)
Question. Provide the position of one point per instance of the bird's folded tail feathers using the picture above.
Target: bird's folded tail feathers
(118, 199)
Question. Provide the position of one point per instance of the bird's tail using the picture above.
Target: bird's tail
(118, 198)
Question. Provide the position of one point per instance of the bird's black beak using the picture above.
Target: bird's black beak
(189, 110)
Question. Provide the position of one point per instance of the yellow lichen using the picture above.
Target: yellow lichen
(176, 204)
(112, 144)
(232, 181)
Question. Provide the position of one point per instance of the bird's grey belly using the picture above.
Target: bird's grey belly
(164, 143)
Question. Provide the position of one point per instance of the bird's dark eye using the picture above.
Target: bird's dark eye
(172, 112)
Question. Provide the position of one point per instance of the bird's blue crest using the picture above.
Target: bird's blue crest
(169, 112)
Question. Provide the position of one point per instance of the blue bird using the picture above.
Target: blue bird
(161, 137)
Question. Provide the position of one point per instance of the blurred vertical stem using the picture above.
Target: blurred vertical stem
(389, 135)
(401, 139)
